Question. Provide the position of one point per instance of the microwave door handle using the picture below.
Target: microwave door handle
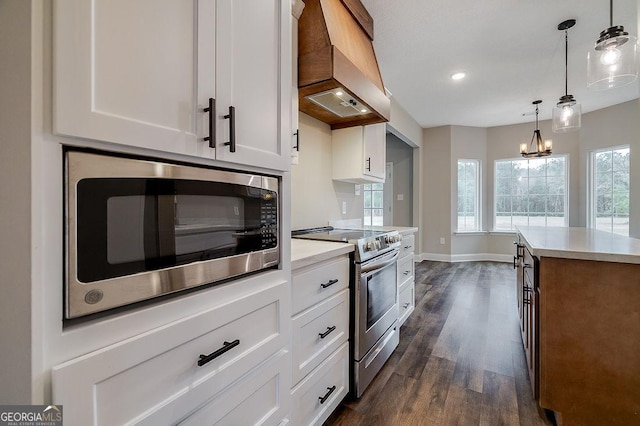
(380, 265)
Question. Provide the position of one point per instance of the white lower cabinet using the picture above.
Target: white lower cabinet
(154, 378)
(254, 400)
(319, 331)
(406, 278)
(320, 340)
(317, 395)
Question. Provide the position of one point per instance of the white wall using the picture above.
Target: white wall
(443, 146)
(315, 197)
(435, 221)
(467, 143)
(609, 127)
(15, 193)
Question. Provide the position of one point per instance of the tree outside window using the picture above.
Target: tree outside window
(531, 192)
(610, 190)
(373, 207)
(468, 195)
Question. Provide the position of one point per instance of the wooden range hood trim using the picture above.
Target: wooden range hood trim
(329, 68)
(326, 25)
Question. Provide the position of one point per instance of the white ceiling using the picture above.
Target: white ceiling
(511, 50)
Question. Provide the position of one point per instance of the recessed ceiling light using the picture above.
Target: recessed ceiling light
(339, 93)
(364, 110)
(458, 75)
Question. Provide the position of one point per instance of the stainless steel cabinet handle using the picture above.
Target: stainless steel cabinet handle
(232, 129)
(368, 164)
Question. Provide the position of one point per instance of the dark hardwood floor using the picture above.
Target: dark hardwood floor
(460, 360)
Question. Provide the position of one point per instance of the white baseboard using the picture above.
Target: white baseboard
(475, 257)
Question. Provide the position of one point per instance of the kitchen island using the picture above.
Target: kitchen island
(580, 291)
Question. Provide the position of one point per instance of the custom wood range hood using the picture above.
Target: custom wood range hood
(338, 76)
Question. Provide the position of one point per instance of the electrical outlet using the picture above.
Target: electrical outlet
(400, 197)
(442, 240)
(344, 207)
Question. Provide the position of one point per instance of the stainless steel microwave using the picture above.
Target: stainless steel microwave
(138, 229)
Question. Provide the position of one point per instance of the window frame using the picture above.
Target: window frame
(371, 209)
(591, 178)
(567, 188)
(478, 197)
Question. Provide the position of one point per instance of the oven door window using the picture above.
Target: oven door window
(381, 293)
(127, 226)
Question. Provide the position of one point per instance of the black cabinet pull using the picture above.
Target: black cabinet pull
(326, 333)
(406, 272)
(369, 164)
(515, 259)
(326, 395)
(406, 305)
(232, 129)
(297, 135)
(213, 355)
(329, 283)
(212, 123)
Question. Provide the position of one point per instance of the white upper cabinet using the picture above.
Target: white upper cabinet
(142, 73)
(359, 153)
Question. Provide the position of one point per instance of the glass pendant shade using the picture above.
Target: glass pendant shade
(566, 116)
(614, 60)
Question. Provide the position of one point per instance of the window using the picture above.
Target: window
(610, 190)
(531, 192)
(468, 195)
(373, 207)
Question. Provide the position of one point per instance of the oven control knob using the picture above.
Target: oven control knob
(377, 244)
(368, 246)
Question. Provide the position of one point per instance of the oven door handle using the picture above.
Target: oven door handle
(379, 264)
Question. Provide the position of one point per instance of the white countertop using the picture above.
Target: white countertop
(401, 229)
(580, 243)
(308, 252)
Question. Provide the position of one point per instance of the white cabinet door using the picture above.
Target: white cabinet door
(142, 73)
(161, 376)
(359, 154)
(253, 61)
(135, 73)
(375, 150)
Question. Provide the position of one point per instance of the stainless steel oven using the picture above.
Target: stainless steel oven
(376, 313)
(137, 229)
(374, 298)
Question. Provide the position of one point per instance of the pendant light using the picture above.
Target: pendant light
(613, 62)
(542, 149)
(567, 112)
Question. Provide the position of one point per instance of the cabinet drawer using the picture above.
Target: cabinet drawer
(329, 319)
(156, 373)
(254, 400)
(406, 268)
(312, 400)
(317, 282)
(408, 245)
(406, 301)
